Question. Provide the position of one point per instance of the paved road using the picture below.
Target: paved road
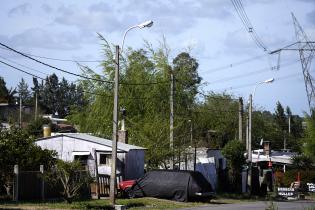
(260, 205)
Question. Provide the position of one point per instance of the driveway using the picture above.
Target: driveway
(260, 205)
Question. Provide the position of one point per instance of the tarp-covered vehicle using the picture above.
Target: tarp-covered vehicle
(169, 184)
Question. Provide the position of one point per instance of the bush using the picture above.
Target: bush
(233, 151)
(72, 176)
(306, 176)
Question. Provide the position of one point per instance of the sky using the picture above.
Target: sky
(210, 30)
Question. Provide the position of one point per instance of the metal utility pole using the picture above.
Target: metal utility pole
(240, 120)
(172, 119)
(113, 184)
(20, 119)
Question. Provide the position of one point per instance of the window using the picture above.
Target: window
(105, 159)
(81, 158)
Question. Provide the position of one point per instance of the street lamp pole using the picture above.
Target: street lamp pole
(20, 119)
(113, 184)
(250, 111)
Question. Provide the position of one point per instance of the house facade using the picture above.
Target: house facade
(95, 153)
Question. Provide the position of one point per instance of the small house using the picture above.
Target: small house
(95, 153)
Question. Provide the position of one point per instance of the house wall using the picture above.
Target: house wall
(134, 164)
(130, 164)
(64, 146)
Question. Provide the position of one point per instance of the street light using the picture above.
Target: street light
(249, 152)
(115, 111)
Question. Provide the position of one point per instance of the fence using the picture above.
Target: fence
(31, 185)
(101, 187)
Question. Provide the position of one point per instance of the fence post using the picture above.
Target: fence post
(16, 183)
(41, 169)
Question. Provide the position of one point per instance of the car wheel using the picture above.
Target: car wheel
(129, 192)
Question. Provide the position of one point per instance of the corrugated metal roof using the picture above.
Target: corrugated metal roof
(98, 140)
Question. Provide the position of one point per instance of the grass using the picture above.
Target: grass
(133, 204)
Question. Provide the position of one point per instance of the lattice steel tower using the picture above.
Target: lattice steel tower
(306, 50)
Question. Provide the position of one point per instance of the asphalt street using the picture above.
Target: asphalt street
(260, 205)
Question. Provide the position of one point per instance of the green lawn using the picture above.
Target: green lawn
(134, 204)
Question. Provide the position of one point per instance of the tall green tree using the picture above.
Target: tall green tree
(59, 96)
(6, 95)
(24, 92)
(144, 93)
(309, 146)
(280, 117)
(216, 120)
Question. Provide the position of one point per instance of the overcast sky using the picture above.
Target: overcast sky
(211, 29)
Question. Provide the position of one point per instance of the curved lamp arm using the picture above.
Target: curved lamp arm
(148, 23)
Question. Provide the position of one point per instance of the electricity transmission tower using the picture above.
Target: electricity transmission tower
(306, 51)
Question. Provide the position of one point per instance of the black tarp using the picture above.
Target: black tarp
(169, 184)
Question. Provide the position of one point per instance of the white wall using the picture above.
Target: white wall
(64, 146)
(132, 162)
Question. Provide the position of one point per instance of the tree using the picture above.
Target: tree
(216, 120)
(6, 95)
(309, 146)
(17, 148)
(147, 105)
(280, 117)
(59, 96)
(71, 175)
(35, 127)
(24, 92)
(233, 151)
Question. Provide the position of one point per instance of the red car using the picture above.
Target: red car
(125, 187)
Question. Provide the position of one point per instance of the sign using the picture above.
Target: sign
(286, 192)
(311, 187)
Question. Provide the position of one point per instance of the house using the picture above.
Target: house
(267, 158)
(207, 161)
(95, 153)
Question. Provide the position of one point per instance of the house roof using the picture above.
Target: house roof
(95, 139)
(275, 156)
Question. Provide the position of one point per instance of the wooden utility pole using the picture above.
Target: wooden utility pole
(115, 131)
(172, 119)
(20, 120)
(240, 120)
(249, 151)
(36, 95)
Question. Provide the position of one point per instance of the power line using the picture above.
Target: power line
(23, 65)
(58, 59)
(239, 8)
(59, 69)
(248, 74)
(22, 70)
(74, 74)
(209, 96)
(93, 93)
(233, 64)
(251, 84)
